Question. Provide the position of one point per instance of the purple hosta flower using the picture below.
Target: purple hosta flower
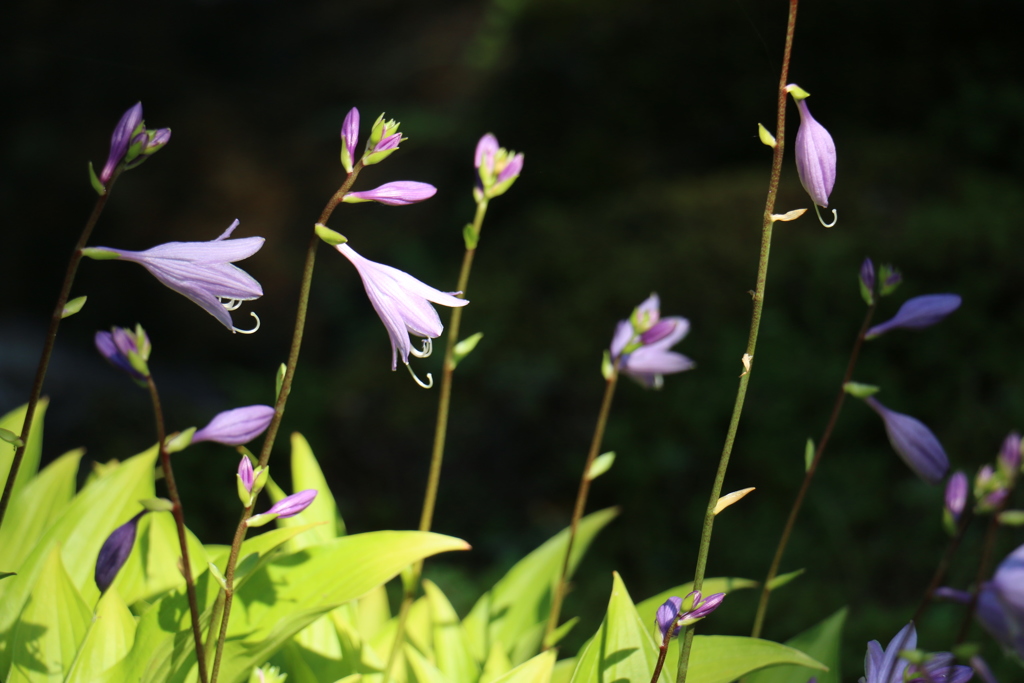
(200, 271)
(867, 281)
(130, 144)
(349, 139)
(956, 496)
(1000, 608)
(939, 667)
(398, 193)
(815, 154)
(497, 168)
(383, 141)
(286, 507)
(918, 313)
(403, 304)
(913, 442)
(668, 615)
(641, 345)
(126, 350)
(236, 427)
(886, 666)
(115, 551)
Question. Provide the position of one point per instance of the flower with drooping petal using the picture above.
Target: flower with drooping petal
(286, 507)
(956, 495)
(642, 344)
(913, 442)
(397, 193)
(115, 551)
(349, 139)
(402, 302)
(126, 350)
(497, 168)
(815, 152)
(236, 427)
(668, 615)
(918, 313)
(200, 271)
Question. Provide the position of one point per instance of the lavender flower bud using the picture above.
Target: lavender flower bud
(918, 313)
(286, 507)
(349, 139)
(383, 141)
(666, 615)
(115, 551)
(867, 281)
(815, 153)
(913, 442)
(956, 495)
(889, 279)
(641, 345)
(236, 427)
(398, 193)
(126, 350)
(1009, 456)
(497, 168)
(669, 617)
(126, 130)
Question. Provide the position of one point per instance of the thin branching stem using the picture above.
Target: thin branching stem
(279, 406)
(943, 567)
(755, 324)
(51, 338)
(179, 522)
(837, 407)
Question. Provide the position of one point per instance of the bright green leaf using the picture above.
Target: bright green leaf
(152, 566)
(306, 474)
(601, 464)
(450, 648)
(722, 659)
(108, 641)
(422, 670)
(465, 347)
(562, 673)
(14, 421)
(782, 579)
(821, 642)
(515, 610)
(561, 632)
(536, 670)
(497, 663)
(73, 306)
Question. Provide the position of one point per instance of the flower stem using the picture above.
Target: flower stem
(51, 338)
(440, 434)
(282, 400)
(662, 652)
(581, 503)
(940, 571)
(179, 521)
(762, 606)
(755, 323)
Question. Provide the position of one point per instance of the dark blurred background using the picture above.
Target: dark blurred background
(643, 173)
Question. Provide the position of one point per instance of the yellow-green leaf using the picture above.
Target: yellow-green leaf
(108, 641)
(622, 649)
(536, 670)
(14, 421)
(451, 651)
(821, 641)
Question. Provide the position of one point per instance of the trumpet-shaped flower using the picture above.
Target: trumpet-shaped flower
(115, 551)
(236, 427)
(200, 271)
(918, 313)
(402, 302)
(913, 442)
(815, 152)
(398, 193)
(642, 344)
(126, 350)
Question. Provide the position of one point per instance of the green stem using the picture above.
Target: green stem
(51, 338)
(179, 521)
(282, 400)
(762, 607)
(440, 434)
(581, 503)
(755, 323)
(940, 571)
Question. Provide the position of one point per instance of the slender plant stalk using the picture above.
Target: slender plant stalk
(662, 652)
(51, 338)
(940, 571)
(581, 503)
(179, 521)
(762, 606)
(279, 406)
(440, 434)
(755, 323)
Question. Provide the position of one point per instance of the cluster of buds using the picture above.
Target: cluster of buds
(888, 280)
(130, 145)
(496, 168)
(250, 481)
(916, 313)
(992, 485)
(641, 345)
(676, 613)
(127, 350)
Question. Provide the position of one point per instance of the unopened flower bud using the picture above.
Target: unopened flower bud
(889, 279)
(349, 139)
(913, 442)
(867, 281)
(115, 551)
(398, 193)
(286, 507)
(956, 499)
(1009, 456)
(236, 427)
(918, 313)
(126, 350)
(383, 140)
(497, 168)
(815, 153)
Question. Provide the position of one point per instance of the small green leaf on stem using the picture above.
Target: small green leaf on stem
(95, 181)
(11, 438)
(561, 632)
(808, 455)
(470, 236)
(1011, 517)
(465, 347)
(73, 306)
(330, 236)
(730, 498)
(789, 215)
(607, 369)
(858, 390)
(766, 137)
(157, 504)
(782, 579)
(601, 464)
(215, 572)
(279, 380)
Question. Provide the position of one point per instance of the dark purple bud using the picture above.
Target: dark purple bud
(666, 615)
(236, 427)
(815, 153)
(889, 279)
(913, 442)
(398, 193)
(1009, 455)
(120, 140)
(157, 139)
(867, 281)
(918, 313)
(115, 552)
(956, 494)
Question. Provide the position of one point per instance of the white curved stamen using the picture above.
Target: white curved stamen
(426, 385)
(231, 304)
(428, 348)
(835, 217)
(235, 329)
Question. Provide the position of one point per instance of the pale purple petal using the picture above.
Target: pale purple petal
(120, 140)
(246, 473)
(649, 310)
(512, 169)
(652, 361)
(815, 157)
(918, 313)
(956, 494)
(981, 668)
(873, 661)
(293, 504)
(1009, 454)
(390, 142)
(891, 670)
(236, 427)
(709, 605)
(913, 442)
(623, 335)
(670, 331)
(486, 148)
(350, 132)
(398, 193)
(667, 614)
